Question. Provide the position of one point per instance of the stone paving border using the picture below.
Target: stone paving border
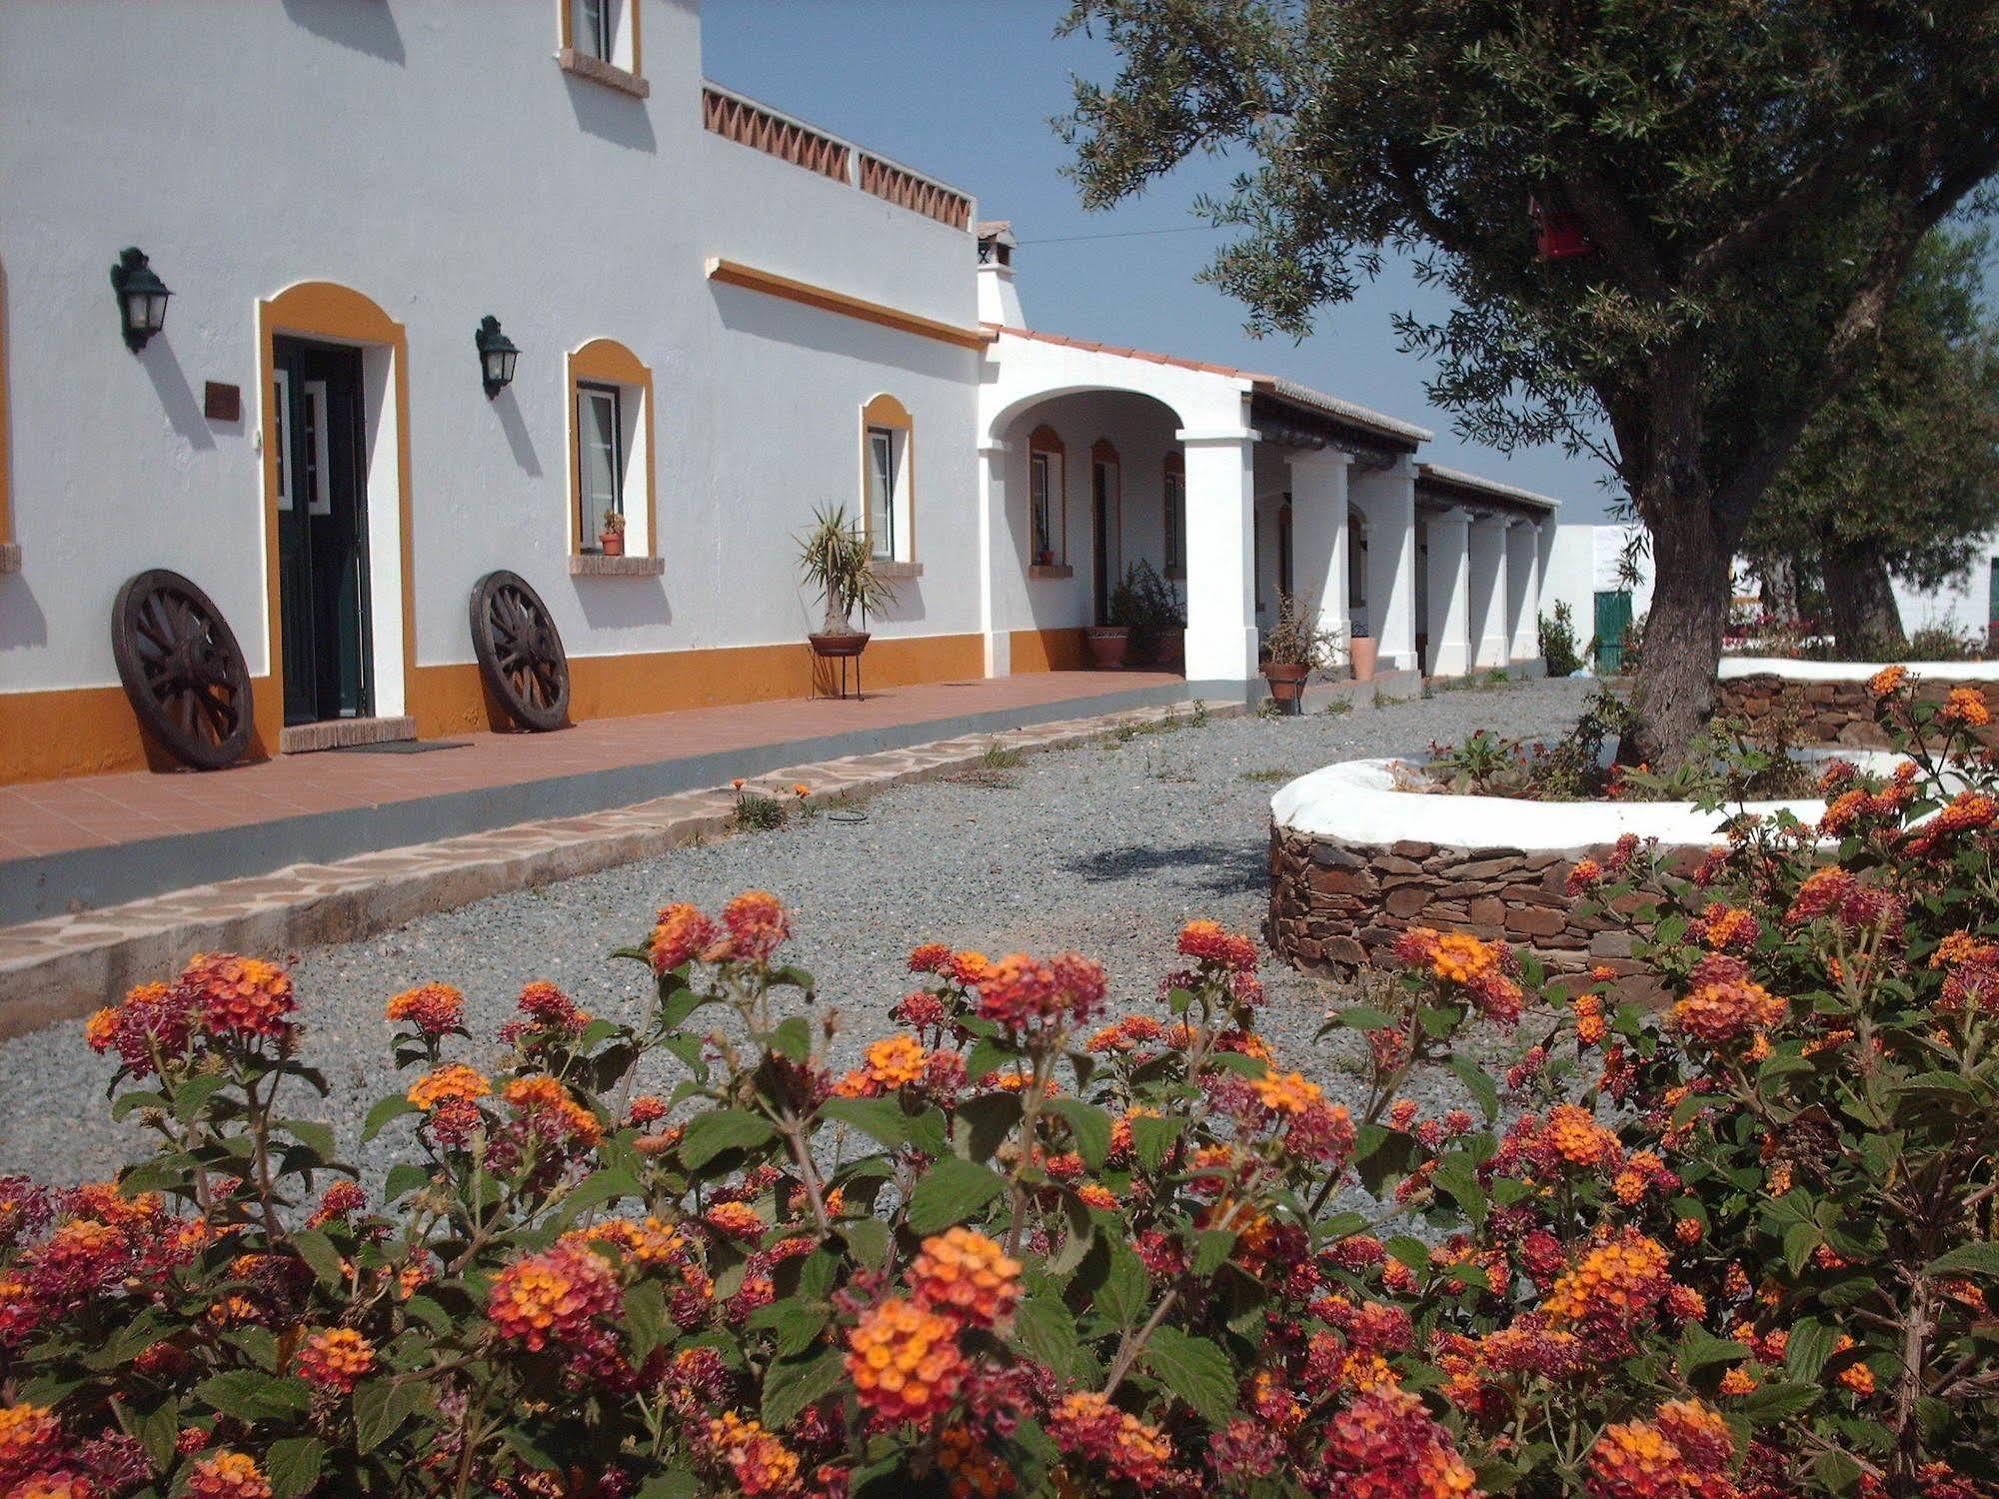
(59, 968)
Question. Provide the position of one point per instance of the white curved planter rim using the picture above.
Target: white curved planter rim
(1853, 671)
(1357, 802)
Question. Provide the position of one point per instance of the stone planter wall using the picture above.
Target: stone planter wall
(1336, 906)
(1839, 711)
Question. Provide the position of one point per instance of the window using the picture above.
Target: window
(610, 454)
(1047, 499)
(596, 35)
(1175, 506)
(600, 464)
(886, 483)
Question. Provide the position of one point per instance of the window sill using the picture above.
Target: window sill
(1054, 570)
(10, 556)
(597, 565)
(895, 572)
(583, 65)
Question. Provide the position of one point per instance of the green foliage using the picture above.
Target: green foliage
(757, 813)
(1558, 641)
(1296, 638)
(834, 557)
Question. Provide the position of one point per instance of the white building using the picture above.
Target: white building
(725, 318)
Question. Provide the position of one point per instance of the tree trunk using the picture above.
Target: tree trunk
(1681, 645)
(1862, 602)
(1780, 589)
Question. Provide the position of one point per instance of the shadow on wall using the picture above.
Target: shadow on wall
(365, 28)
(623, 603)
(616, 117)
(22, 623)
(759, 315)
(162, 367)
(907, 603)
(508, 410)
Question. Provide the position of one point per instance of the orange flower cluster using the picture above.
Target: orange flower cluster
(1128, 1034)
(1591, 1027)
(1887, 680)
(897, 1061)
(1725, 1004)
(217, 995)
(336, 1359)
(904, 1361)
(228, 1475)
(973, 1470)
(650, 1242)
(240, 996)
(966, 1274)
(1481, 969)
(1606, 1294)
(1024, 993)
(1207, 942)
(1086, 1425)
(552, 1297)
(30, 1436)
(1389, 1444)
(546, 1106)
(1725, 928)
(757, 924)
(758, 1463)
(1584, 876)
(433, 1009)
(1966, 706)
(1571, 1135)
(680, 935)
(738, 1219)
(1968, 812)
(1684, 1450)
(452, 1083)
(1286, 1093)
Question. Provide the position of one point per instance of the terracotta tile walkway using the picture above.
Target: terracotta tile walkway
(53, 817)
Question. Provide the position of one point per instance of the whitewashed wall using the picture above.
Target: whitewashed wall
(434, 158)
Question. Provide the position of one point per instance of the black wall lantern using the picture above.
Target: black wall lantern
(496, 356)
(142, 298)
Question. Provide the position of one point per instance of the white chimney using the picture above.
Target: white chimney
(998, 301)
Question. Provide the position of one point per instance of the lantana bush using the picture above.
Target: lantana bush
(1738, 1240)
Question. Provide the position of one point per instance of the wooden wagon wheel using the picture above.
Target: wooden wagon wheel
(520, 654)
(182, 669)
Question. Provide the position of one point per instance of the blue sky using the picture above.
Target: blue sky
(964, 89)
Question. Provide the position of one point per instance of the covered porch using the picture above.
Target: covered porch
(1482, 550)
(1235, 488)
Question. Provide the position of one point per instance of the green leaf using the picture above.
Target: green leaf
(192, 1096)
(598, 1188)
(251, 1397)
(314, 1136)
(1478, 1082)
(1089, 1124)
(1121, 1298)
(987, 1120)
(880, 1119)
(793, 1039)
(390, 1108)
(1807, 1348)
(951, 1192)
(1364, 1018)
(796, 1325)
(1047, 1332)
(1699, 1348)
(675, 1483)
(791, 1385)
(1211, 1250)
(292, 1465)
(1194, 1369)
(1152, 1139)
(708, 1135)
(317, 1251)
(869, 1239)
(1461, 1182)
(404, 1177)
(1966, 1259)
(1411, 1252)
(1837, 1473)
(380, 1406)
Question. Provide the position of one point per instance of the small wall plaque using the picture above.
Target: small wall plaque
(222, 403)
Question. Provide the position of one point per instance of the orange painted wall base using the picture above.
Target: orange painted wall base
(92, 731)
(1048, 650)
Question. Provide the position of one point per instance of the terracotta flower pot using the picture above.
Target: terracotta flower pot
(1287, 682)
(613, 543)
(835, 646)
(1107, 644)
(1363, 647)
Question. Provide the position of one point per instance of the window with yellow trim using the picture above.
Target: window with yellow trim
(600, 39)
(1047, 499)
(888, 499)
(610, 450)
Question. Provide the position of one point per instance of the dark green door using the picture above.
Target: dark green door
(1613, 622)
(322, 531)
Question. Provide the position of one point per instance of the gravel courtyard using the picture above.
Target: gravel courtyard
(1105, 849)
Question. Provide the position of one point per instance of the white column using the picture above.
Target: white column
(996, 550)
(1488, 591)
(1450, 601)
(1386, 499)
(1523, 581)
(1319, 535)
(1221, 594)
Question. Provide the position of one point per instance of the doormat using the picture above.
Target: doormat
(402, 747)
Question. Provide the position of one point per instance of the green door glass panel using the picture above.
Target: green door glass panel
(322, 531)
(1613, 623)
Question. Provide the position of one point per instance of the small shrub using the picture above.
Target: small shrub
(1270, 777)
(1000, 757)
(1558, 641)
(757, 813)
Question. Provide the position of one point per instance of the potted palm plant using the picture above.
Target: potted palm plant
(833, 557)
(1295, 647)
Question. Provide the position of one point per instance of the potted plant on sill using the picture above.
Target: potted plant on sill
(612, 539)
(1295, 647)
(833, 557)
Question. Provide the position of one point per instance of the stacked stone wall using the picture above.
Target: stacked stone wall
(1840, 713)
(1336, 906)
